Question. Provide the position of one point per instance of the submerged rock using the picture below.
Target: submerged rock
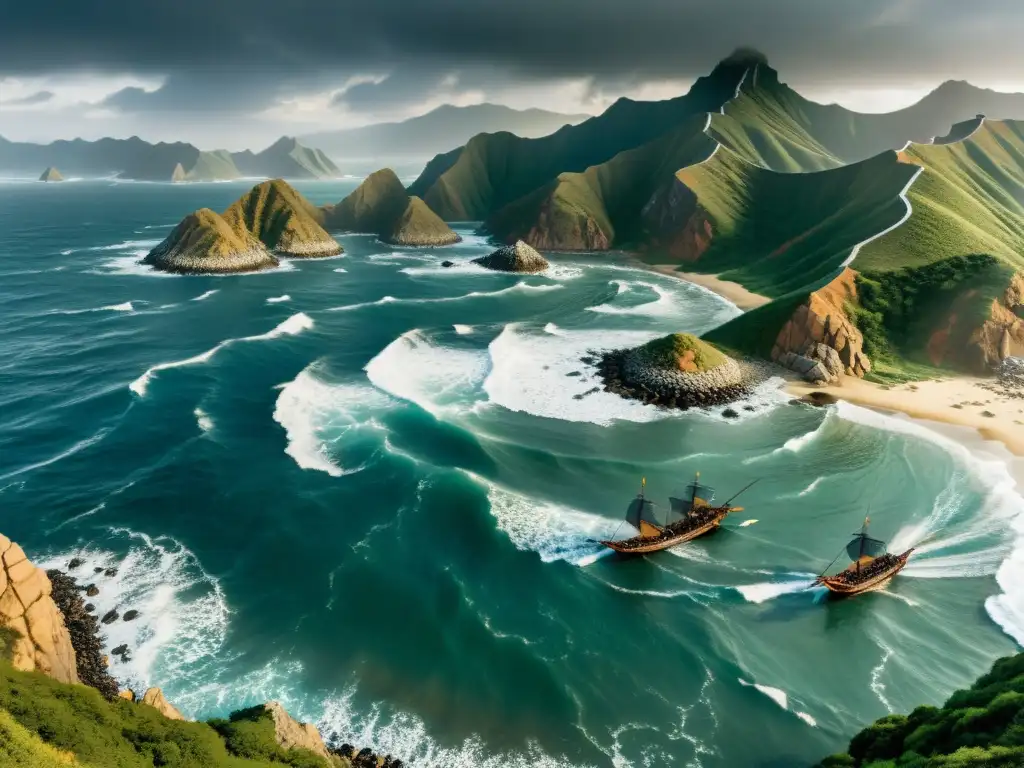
(419, 226)
(204, 243)
(519, 257)
(130, 615)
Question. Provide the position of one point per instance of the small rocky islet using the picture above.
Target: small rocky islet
(676, 371)
(270, 220)
(381, 206)
(517, 257)
(51, 174)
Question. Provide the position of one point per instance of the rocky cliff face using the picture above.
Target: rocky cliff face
(560, 228)
(154, 697)
(43, 643)
(1002, 335)
(822, 320)
(290, 733)
(676, 223)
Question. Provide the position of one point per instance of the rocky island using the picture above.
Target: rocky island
(677, 371)
(518, 257)
(272, 218)
(51, 174)
(381, 206)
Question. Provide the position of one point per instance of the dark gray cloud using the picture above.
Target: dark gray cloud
(39, 97)
(270, 42)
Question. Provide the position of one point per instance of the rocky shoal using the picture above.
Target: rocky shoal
(85, 634)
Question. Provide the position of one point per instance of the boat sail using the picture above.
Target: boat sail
(690, 514)
(872, 566)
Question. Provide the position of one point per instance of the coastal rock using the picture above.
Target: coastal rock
(822, 321)
(276, 215)
(1002, 334)
(154, 697)
(290, 733)
(419, 226)
(85, 635)
(127, 695)
(42, 642)
(676, 223)
(204, 243)
(130, 615)
(373, 207)
(519, 257)
(178, 174)
(51, 174)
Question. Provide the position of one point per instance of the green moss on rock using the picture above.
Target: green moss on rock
(682, 352)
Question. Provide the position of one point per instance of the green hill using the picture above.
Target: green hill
(283, 220)
(213, 166)
(418, 225)
(493, 170)
(982, 726)
(203, 242)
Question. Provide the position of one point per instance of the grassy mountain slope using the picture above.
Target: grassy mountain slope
(213, 166)
(494, 170)
(372, 207)
(283, 220)
(602, 206)
(980, 726)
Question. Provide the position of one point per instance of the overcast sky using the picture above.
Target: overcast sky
(239, 73)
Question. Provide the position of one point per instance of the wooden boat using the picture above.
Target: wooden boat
(872, 567)
(691, 514)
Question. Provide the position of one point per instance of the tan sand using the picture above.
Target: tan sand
(730, 291)
(936, 401)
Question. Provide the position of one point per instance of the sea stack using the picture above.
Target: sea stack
(178, 174)
(283, 220)
(381, 206)
(51, 174)
(204, 243)
(678, 371)
(418, 225)
(519, 257)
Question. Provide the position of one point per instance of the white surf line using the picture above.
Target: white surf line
(906, 201)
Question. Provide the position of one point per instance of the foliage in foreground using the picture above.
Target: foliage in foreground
(41, 718)
(981, 727)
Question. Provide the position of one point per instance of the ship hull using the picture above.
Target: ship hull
(639, 545)
(839, 589)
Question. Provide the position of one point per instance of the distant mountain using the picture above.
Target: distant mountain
(286, 158)
(139, 160)
(437, 131)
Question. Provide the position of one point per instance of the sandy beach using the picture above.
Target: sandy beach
(734, 292)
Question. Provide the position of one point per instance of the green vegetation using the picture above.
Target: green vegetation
(372, 207)
(982, 726)
(681, 351)
(602, 206)
(50, 717)
(754, 332)
(418, 225)
(283, 220)
(212, 166)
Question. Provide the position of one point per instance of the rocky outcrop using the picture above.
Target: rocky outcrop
(816, 363)
(40, 640)
(1002, 334)
(419, 226)
(291, 734)
(51, 174)
(84, 631)
(178, 174)
(518, 257)
(154, 697)
(676, 223)
(822, 321)
(677, 371)
(204, 243)
(276, 215)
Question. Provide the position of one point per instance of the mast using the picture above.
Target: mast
(693, 496)
(863, 536)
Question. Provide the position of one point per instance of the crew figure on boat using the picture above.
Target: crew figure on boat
(872, 567)
(691, 514)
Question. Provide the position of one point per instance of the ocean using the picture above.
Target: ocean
(370, 488)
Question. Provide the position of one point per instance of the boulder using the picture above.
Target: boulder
(130, 615)
(127, 695)
(518, 257)
(290, 733)
(41, 642)
(154, 697)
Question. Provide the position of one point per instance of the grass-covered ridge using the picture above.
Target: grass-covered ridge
(982, 726)
(282, 219)
(681, 352)
(43, 719)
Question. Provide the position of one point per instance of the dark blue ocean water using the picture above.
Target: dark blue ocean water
(369, 487)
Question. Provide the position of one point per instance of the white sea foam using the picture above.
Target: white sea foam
(529, 374)
(876, 678)
(294, 325)
(127, 245)
(463, 330)
(745, 523)
(662, 305)
(521, 287)
(203, 420)
(317, 415)
(205, 296)
(415, 368)
(67, 252)
(183, 615)
(760, 593)
(340, 269)
(983, 535)
(278, 299)
(775, 694)
(81, 445)
(125, 307)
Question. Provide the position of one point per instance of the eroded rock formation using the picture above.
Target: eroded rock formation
(518, 257)
(676, 223)
(290, 733)
(41, 642)
(1002, 335)
(154, 697)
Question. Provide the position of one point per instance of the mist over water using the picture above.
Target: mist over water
(371, 488)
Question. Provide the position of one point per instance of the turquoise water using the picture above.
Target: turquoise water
(368, 487)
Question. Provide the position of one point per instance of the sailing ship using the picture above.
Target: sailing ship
(872, 567)
(691, 514)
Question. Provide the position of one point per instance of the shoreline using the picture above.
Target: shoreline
(961, 401)
(730, 291)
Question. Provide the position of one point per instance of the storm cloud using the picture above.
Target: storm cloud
(245, 55)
